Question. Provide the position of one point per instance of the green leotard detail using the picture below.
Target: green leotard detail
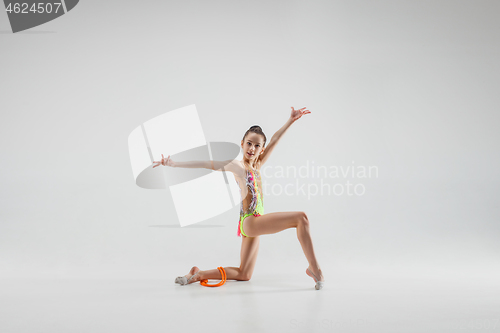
(256, 206)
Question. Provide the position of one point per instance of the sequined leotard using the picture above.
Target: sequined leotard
(253, 203)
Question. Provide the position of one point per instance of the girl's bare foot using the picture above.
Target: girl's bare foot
(192, 272)
(189, 278)
(316, 274)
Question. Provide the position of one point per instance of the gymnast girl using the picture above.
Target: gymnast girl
(253, 222)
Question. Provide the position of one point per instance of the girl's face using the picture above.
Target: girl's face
(252, 146)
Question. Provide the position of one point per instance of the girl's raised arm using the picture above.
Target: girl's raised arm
(295, 114)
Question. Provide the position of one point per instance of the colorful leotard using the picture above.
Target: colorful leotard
(252, 204)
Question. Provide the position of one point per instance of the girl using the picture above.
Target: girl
(253, 222)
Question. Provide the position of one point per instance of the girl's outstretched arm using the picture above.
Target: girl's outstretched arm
(295, 114)
(228, 165)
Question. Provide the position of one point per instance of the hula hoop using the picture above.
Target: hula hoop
(222, 273)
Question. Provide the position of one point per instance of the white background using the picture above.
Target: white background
(408, 86)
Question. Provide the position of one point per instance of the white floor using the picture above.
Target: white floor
(267, 303)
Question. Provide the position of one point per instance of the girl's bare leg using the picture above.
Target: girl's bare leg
(275, 222)
(232, 273)
(249, 251)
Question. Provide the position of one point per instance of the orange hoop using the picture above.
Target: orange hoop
(222, 273)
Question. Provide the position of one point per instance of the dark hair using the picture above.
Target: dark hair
(255, 129)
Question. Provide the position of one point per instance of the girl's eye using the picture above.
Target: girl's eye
(257, 146)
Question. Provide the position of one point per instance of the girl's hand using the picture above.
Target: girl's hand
(296, 114)
(164, 161)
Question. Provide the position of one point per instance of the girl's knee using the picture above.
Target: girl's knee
(303, 219)
(244, 276)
